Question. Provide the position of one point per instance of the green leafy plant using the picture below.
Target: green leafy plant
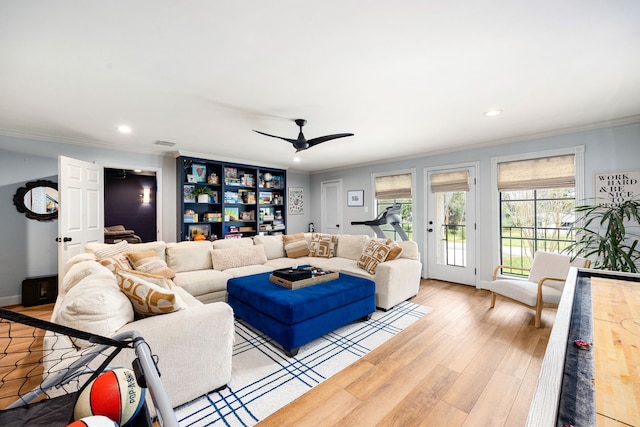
(605, 232)
(202, 190)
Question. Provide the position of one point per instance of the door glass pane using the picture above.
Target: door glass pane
(451, 228)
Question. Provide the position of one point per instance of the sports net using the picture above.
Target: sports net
(44, 366)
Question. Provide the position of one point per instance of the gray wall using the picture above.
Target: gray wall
(607, 149)
(27, 247)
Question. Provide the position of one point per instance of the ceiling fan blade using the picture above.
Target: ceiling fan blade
(275, 136)
(318, 140)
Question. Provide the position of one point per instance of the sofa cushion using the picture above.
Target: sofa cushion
(248, 270)
(202, 282)
(189, 256)
(232, 243)
(373, 253)
(409, 249)
(94, 305)
(223, 259)
(149, 262)
(350, 246)
(273, 246)
(322, 245)
(79, 271)
(295, 245)
(78, 258)
(149, 294)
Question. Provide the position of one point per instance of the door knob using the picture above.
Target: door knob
(337, 225)
(430, 230)
(65, 239)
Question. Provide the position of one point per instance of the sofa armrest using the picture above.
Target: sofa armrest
(194, 363)
(397, 281)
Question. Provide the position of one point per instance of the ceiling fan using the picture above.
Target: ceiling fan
(303, 143)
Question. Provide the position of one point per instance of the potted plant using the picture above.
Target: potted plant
(606, 232)
(202, 194)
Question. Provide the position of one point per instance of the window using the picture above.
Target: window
(537, 202)
(395, 189)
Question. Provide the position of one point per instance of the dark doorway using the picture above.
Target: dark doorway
(124, 202)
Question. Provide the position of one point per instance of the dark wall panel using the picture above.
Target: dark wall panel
(123, 204)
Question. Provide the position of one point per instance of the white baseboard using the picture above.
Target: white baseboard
(10, 300)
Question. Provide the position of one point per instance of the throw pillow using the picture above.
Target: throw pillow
(94, 305)
(295, 245)
(113, 256)
(322, 245)
(395, 250)
(149, 294)
(150, 262)
(79, 271)
(223, 259)
(373, 254)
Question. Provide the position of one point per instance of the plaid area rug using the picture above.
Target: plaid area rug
(264, 380)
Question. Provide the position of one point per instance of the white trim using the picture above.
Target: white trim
(577, 150)
(158, 172)
(425, 238)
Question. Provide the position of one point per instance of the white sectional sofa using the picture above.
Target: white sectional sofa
(396, 280)
(194, 342)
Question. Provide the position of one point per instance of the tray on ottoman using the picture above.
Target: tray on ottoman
(287, 277)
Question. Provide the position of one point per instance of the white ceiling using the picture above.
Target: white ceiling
(407, 78)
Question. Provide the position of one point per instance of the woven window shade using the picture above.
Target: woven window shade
(546, 172)
(450, 181)
(393, 187)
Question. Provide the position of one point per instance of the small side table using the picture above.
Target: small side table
(39, 290)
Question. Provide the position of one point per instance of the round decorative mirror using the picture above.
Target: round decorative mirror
(38, 200)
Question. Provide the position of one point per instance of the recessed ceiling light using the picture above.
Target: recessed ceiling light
(492, 113)
(296, 159)
(124, 129)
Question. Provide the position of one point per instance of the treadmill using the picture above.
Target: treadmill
(391, 215)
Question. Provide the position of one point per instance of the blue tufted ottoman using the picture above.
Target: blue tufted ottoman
(295, 317)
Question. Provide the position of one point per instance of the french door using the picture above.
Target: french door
(451, 224)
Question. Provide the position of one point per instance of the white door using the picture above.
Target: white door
(451, 225)
(81, 211)
(331, 207)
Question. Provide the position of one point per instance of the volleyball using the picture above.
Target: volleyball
(114, 394)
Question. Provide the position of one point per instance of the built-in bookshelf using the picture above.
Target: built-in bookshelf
(221, 200)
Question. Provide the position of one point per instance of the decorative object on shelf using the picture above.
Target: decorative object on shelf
(231, 214)
(38, 200)
(301, 143)
(203, 194)
(199, 231)
(355, 198)
(296, 201)
(187, 194)
(264, 198)
(276, 182)
(190, 216)
(191, 178)
(213, 179)
(199, 171)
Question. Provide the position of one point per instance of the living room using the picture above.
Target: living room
(593, 109)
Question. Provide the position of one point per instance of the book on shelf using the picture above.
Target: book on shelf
(188, 196)
(230, 197)
(230, 214)
(264, 197)
(233, 236)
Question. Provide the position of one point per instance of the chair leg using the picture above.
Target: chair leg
(538, 315)
(493, 299)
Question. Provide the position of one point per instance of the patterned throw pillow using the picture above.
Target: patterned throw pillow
(295, 245)
(149, 294)
(114, 257)
(150, 262)
(373, 254)
(322, 245)
(395, 251)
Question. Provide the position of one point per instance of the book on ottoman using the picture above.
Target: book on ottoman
(293, 274)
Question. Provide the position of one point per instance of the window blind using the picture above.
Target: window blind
(532, 174)
(450, 181)
(393, 187)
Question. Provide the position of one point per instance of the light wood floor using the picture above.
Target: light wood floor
(461, 365)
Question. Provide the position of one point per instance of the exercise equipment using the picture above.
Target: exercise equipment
(391, 215)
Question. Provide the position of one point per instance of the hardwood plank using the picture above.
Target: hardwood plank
(443, 412)
(493, 406)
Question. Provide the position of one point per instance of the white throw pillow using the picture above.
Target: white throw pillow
(224, 259)
(273, 246)
(79, 271)
(95, 305)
